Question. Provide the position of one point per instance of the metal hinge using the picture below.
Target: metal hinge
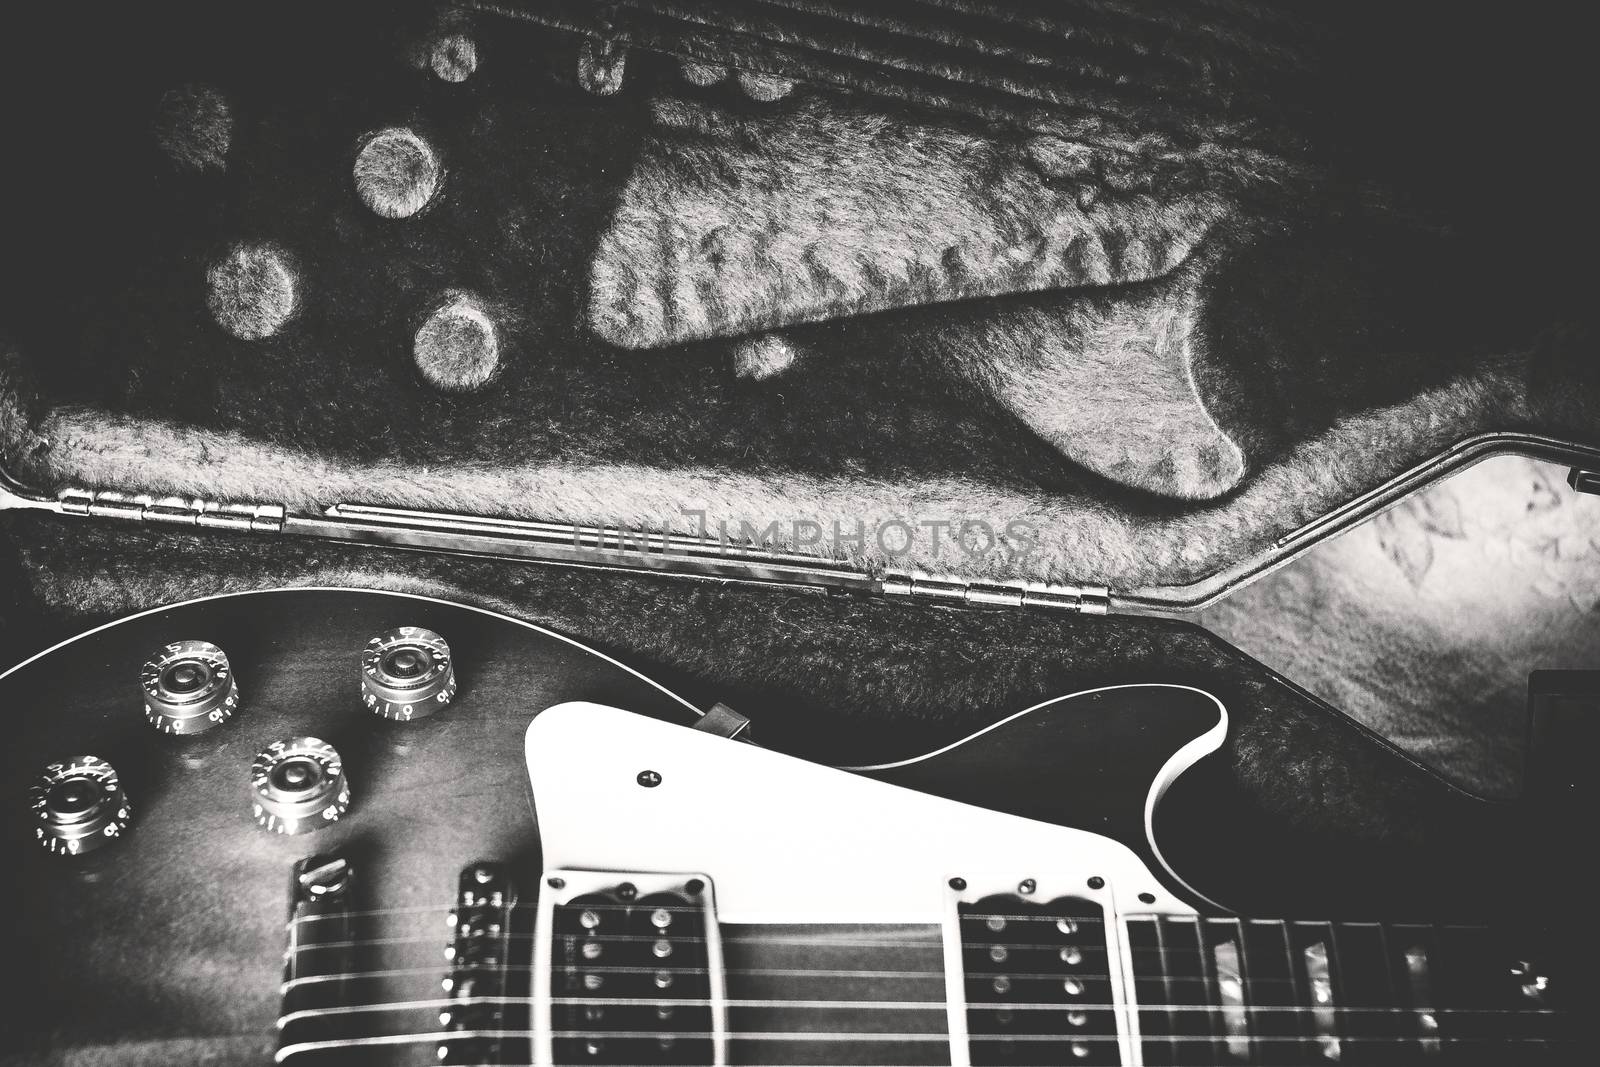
(558, 544)
(1083, 599)
(1584, 481)
(171, 510)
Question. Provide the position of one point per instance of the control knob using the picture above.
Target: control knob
(406, 673)
(78, 805)
(297, 786)
(188, 687)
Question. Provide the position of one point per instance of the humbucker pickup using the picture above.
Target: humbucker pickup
(627, 969)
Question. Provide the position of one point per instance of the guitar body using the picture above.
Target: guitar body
(169, 945)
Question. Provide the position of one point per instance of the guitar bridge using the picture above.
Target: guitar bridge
(627, 969)
(486, 1013)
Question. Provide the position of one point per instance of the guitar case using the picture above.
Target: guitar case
(1055, 329)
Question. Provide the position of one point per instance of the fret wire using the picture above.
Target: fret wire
(1391, 988)
(1166, 988)
(1422, 995)
(1338, 979)
(1298, 991)
(1388, 964)
(1244, 981)
(1213, 992)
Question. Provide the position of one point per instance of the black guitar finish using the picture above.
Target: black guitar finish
(1089, 763)
(167, 946)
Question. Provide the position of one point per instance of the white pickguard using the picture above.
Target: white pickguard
(792, 842)
(787, 841)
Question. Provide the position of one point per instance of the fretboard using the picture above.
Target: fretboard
(1224, 991)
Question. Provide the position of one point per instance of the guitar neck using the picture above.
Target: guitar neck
(1235, 990)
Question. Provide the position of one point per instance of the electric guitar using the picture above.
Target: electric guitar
(329, 826)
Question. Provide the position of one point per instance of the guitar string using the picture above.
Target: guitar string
(810, 972)
(931, 944)
(1040, 917)
(871, 1005)
(665, 965)
(603, 970)
(591, 936)
(802, 1036)
(900, 1006)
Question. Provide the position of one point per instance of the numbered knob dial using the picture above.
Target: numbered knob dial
(407, 673)
(78, 805)
(297, 786)
(188, 687)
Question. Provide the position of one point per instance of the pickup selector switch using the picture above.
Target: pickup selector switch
(188, 688)
(407, 674)
(297, 786)
(78, 805)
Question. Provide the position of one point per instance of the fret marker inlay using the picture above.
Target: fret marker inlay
(1324, 1013)
(1230, 987)
(1422, 997)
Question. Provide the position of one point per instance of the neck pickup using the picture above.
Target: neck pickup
(628, 970)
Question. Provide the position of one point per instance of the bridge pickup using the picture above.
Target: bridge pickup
(628, 969)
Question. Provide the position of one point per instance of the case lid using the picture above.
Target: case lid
(1023, 314)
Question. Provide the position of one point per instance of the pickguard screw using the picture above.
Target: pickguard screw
(694, 887)
(557, 883)
(626, 892)
(649, 779)
(1028, 885)
(1097, 882)
(958, 884)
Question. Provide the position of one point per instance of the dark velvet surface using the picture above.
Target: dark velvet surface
(1341, 319)
(1392, 266)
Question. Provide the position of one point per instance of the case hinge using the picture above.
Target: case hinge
(1052, 596)
(172, 510)
(1584, 481)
